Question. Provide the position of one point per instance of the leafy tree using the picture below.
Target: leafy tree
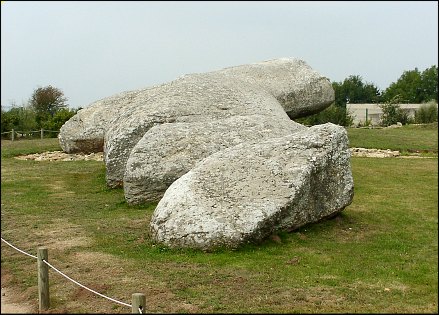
(8, 120)
(354, 91)
(340, 96)
(46, 109)
(19, 118)
(429, 83)
(406, 88)
(47, 101)
(414, 86)
(60, 117)
(27, 120)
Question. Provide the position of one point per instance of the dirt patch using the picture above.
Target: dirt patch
(62, 156)
(8, 306)
(13, 301)
(61, 235)
(111, 276)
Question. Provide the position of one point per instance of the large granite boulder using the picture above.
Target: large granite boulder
(272, 89)
(249, 191)
(222, 150)
(298, 88)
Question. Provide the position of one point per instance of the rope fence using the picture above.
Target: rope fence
(21, 251)
(138, 299)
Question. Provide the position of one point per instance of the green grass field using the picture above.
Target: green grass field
(380, 255)
(409, 138)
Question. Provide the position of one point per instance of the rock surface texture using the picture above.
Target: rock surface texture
(186, 140)
(168, 151)
(250, 191)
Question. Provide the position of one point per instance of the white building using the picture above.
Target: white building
(373, 113)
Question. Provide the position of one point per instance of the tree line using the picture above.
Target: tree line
(47, 107)
(413, 86)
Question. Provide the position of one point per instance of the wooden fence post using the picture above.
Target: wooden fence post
(43, 280)
(42, 133)
(12, 135)
(138, 301)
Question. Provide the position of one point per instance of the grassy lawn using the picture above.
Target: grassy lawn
(20, 147)
(408, 138)
(380, 255)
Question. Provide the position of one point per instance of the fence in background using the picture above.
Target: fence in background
(27, 134)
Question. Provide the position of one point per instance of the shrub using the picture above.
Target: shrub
(393, 113)
(335, 114)
(427, 113)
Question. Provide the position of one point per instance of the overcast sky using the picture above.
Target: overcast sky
(91, 50)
